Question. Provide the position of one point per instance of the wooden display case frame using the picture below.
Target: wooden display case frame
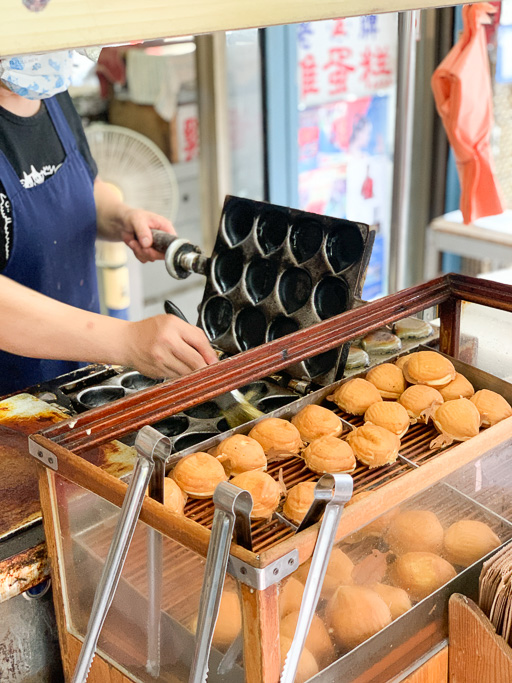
(69, 441)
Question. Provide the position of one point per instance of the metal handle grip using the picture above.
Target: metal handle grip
(162, 240)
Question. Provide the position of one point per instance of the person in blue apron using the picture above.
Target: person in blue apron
(52, 208)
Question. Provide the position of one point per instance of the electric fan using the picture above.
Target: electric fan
(136, 166)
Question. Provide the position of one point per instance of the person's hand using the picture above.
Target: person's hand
(136, 227)
(165, 346)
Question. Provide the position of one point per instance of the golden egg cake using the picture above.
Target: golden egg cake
(265, 492)
(339, 573)
(357, 358)
(395, 598)
(317, 642)
(240, 453)
(430, 368)
(229, 621)
(290, 595)
(388, 379)
(277, 436)
(174, 498)
(356, 396)
(378, 527)
(355, 613)
(467, 540)
(412, 328)
(315, 421)
(390, 415)
(381, 341)
(421, 573)
(492, 407)
(400, 362)
(415, 530)
(198, 475)
(420, 402)
(329, 454)
(459, 388)
(374, 446)
(299, 500)
(457, 420)
(308, 666)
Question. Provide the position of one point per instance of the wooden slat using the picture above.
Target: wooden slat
(435, 670)
(449, 332)
(52, 532)
(477, 654)
(74, 23)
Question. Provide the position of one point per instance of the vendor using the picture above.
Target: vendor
(52, 207)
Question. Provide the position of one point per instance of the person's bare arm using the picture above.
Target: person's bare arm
(36, 326)
(117, 221)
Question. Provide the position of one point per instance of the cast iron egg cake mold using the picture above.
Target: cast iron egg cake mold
(275, 270)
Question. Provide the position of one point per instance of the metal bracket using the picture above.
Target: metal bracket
(267, 576)
(43, 455)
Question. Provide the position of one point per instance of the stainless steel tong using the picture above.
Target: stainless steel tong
(151, 447)
(230, 503)
(334, 490)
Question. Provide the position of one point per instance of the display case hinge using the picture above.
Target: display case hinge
(266, 576)
(43, 455)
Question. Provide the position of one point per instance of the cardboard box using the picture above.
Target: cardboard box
(143, 119)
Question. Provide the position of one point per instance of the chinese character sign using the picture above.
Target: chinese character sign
(347, 57)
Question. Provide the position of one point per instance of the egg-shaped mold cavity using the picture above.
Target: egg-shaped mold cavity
(267, 405)
(217, 316)
(260, 278)
(222, 425)
(255, 390)
(172, 426)
(294, 289)
(191, 439)
(281, 326)
(321, 364)
(134, 381)
(227, 268)
(239, 217)
(344, 246)
(306, 239)
(98, 396)
(331, 297)
(204, 411)
(250, 328)
(271, 230)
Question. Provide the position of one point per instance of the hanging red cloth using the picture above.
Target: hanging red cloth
(463, 94)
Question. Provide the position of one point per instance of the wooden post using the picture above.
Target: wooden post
(260, 611)
(449, 334)
(214, 141)
(477, 654)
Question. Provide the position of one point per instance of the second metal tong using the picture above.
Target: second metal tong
(149, 444)
(231, 504)
(335, 490)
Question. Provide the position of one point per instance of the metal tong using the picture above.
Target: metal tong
(334, 490)
(232, 506)
(149, 444)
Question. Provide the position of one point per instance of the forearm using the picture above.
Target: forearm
(109, 210)
(36, 326)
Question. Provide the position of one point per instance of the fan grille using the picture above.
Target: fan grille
(134, 164)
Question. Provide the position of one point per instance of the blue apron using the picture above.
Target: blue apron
(54, 231)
